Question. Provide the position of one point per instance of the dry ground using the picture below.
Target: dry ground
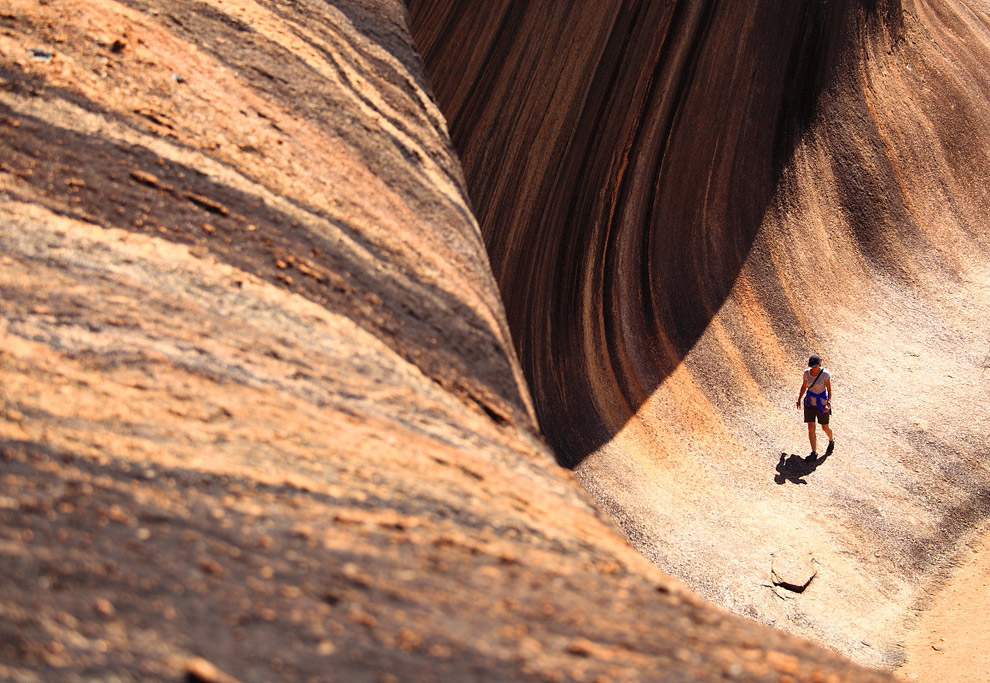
(948, 642)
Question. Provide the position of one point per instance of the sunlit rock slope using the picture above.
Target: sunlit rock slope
(261, 416)
(682, 201)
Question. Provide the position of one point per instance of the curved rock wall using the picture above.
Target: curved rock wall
(621, 157)
(260, 416)
(682, 201)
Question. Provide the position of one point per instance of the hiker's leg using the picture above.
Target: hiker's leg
(828, 432)
(812, 436)
(831, 439)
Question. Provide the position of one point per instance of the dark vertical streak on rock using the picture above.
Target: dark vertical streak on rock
(616, 239)
(678, 61)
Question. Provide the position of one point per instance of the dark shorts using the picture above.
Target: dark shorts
(811, 412)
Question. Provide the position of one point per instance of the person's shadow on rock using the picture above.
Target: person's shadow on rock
(793, 468)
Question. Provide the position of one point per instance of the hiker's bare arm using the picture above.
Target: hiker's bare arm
(804, 385)
(828, 385)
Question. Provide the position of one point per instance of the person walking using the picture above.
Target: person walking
(816, 388)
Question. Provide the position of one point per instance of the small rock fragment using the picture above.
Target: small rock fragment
(580, 647)
(409, 640)
(210, 205)
(784, 663)
(210, 566)
(792, 570)
(145, 178)
(359, 616)
(199, 670)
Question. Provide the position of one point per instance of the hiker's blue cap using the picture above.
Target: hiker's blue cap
(814, 360)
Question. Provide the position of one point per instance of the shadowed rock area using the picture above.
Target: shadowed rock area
(262, 419)
(683, 201)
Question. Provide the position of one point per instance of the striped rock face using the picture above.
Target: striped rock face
(683, 202)
(276, 405)
(262, 418)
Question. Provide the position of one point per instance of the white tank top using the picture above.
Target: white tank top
(819, 383)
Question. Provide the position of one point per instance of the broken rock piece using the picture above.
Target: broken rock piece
(792, 570)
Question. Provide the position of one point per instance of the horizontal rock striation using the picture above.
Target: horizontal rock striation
(681, 202)
(261, 418)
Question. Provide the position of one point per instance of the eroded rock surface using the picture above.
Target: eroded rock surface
(792, 569)
(261, 418)
(682, 202)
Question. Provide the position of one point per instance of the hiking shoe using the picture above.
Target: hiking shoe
(831, 447)
(811, 456)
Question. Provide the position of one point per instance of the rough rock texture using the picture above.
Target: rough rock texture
(792, 571)
(682, 201)
(261, 418)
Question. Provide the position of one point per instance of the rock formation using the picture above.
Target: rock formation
(682, 201)
(266, 417)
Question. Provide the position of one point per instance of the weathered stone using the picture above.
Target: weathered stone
(676, 224)
(658, 201)
(793, 569)
(200, 670)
